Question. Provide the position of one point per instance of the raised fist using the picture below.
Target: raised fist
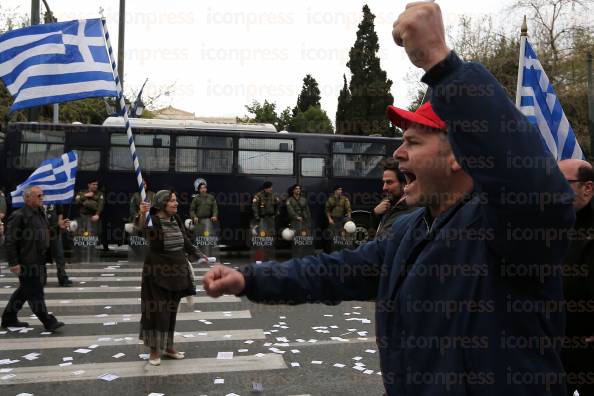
(419, 29)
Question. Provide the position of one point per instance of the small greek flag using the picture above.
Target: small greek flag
(537, 100)
(55, 63)
(55, 176)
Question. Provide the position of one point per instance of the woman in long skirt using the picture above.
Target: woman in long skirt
(166, 276)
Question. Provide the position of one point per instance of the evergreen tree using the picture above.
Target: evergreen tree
(344, 101)
(313, 120)
(369, 86)
(309, 96)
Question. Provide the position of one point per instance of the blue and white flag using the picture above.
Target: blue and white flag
(55, 176)
(536, 99)
(56, 63)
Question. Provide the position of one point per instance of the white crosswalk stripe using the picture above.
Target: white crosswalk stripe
(127, 339)
(30, 375)
(106, 285)
(86, 290)
(114, 278)
(123, 301)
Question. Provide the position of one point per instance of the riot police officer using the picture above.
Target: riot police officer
(265, 207)
(136, 199)
(57, 223)
(298, 210)
(338, 207)
(204, 205)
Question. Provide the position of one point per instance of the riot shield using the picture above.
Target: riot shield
(303, 240)
(262, 241)
(207, 237)
(85, 240)
(137, 244)
(340, 238)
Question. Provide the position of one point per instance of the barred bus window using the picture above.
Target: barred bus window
(359, 148)
(265, 156)
(37, 146)
(312, 166)
(88, 160)
(265, 163)
(152, 151)
(367, 166)
(204, 154)
(357, 159)
(33, 154)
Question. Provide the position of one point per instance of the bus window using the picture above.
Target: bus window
(88, 160)
(357, 159)
(36, 147)
(152, 151)
(312, 166)
(263, 156)
(204, 154)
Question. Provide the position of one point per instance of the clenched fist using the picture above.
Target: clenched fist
(419, 29)
(221, 280)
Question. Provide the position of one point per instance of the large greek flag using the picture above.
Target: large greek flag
(56, 63)
(536, 99)
(55, 176)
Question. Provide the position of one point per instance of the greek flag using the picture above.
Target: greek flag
(537, 100)
(55, 176)
(56, 63)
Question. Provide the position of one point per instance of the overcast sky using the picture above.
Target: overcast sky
(220, 55)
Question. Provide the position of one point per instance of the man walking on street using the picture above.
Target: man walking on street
(27, 243)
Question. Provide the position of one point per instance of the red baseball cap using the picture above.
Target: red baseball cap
(423, 116)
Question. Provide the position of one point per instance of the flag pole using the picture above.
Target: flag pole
(521, 63)
(137, 170)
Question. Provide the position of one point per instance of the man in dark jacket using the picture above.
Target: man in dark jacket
(393, 204)
(452, 316)
(27, 242)
(578, 281)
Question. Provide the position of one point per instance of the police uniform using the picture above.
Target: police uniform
(53, 213)
(204, 207)
(338, 208)
(265, 206)
(135, 203)
(297, 207)
(90, 206)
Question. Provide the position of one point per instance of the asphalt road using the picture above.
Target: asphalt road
(287, 350)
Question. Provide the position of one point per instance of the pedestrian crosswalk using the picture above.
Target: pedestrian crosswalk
(91, 326)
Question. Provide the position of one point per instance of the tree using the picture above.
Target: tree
(344, 101)
(313, 120)
(266, 113)
(309, 96)
(369, 87)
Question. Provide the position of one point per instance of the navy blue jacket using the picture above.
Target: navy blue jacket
(468, 303)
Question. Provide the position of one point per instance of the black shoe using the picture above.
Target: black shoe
(65, 282)
(54, 326)
(15, 323)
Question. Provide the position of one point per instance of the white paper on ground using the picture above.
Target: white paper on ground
(118, 355)
(108, 377)
(67, 359)
(316, 362)
(295, 364)
(82, 350)
(219, 381)
(225, 355)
